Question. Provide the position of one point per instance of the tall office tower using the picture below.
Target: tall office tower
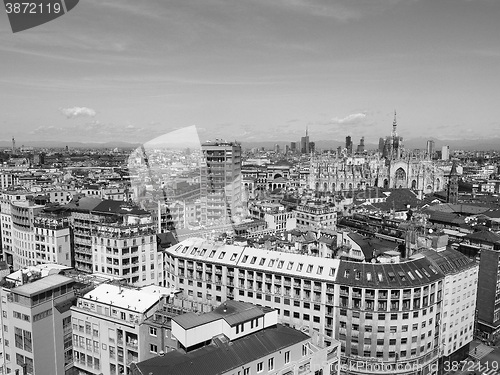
(312, 146)
(220, 181)
(339, 150)
(36, 321)
(361, 146)
(430, 148)
(304, 143)
(381, 145)
(348, 144)
(445, 153)
(293, 146)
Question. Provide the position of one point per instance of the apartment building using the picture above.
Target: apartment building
(127, 250)
(114, 326)
(36, 325)
(22, 214)
(484, 246)
(8, 179)
(275, 215)
(52, 238)
(316, 215)
(458, 316)
(344, 300)
(83, 221)
(240, 338)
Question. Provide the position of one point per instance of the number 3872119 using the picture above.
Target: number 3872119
(32, 8)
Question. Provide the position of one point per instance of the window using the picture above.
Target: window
(153, 348)
(152, 331)
(222, 254)
(270, 364)
(233, 257)
(260, 366)
(287, 357)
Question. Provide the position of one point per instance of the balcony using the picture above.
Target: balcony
(132, 344)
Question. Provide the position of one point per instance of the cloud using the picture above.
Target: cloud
(78, 112)
(349, 119)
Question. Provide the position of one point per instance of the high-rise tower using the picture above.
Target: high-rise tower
(220, 181)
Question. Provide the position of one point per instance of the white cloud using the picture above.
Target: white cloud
(78, 112)
(349, 119)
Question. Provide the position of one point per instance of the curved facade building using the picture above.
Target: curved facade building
(387, 316)
(23, 249)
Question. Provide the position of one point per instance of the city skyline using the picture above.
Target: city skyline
(253, 71)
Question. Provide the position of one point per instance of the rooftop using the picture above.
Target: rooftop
(140, 299)
(221, 358)
(41, 285)
(233, 312)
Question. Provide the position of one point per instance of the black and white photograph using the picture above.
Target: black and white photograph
(250, 187)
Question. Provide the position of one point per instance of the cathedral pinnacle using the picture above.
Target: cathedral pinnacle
(394, 125)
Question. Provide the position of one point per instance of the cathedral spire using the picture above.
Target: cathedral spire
(394, 125)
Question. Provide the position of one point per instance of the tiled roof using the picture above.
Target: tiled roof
(449, 261)
(371, 245)
(117, 207)
(224, 357)
(486, 236)
(261, 260)
(414, 272)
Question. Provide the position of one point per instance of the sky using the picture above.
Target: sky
(254, 70)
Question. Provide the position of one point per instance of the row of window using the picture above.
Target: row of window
(383, 316)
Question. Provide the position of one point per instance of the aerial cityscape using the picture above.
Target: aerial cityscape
(246, 188)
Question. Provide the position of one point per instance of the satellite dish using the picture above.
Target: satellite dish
(430, 230)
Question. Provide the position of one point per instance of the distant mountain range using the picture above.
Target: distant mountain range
(414, 143)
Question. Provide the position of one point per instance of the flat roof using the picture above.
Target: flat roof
(42, 285)
(140, 299)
